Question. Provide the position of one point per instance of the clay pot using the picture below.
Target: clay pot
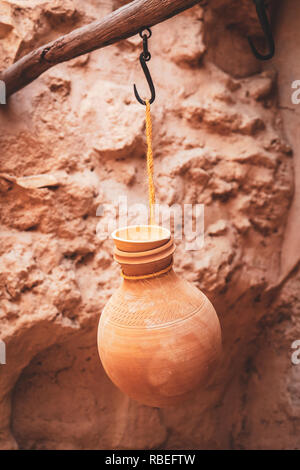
(159, 338)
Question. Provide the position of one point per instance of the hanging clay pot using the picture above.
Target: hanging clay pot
(159, 338)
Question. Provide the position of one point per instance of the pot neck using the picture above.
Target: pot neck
(138, 264)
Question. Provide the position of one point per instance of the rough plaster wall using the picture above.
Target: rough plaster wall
(219, 139)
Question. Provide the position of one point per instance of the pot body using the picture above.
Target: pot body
(159, 339)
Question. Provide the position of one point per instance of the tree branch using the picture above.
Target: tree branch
(120, 24)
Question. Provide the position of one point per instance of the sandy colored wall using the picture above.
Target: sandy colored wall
(225, 135)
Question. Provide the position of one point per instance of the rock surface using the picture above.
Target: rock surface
(73, 141)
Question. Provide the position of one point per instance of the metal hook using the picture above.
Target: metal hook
(263, 18)
(145, 57)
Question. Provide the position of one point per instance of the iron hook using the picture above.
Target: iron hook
(145, 56)
(263, 18)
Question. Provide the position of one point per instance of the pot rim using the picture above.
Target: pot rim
(166, 234)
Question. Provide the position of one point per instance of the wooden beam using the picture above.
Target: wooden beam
(120, 24)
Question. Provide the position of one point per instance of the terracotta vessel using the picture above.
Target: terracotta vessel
(159, 338)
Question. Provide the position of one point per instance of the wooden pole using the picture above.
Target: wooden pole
(120, 24)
